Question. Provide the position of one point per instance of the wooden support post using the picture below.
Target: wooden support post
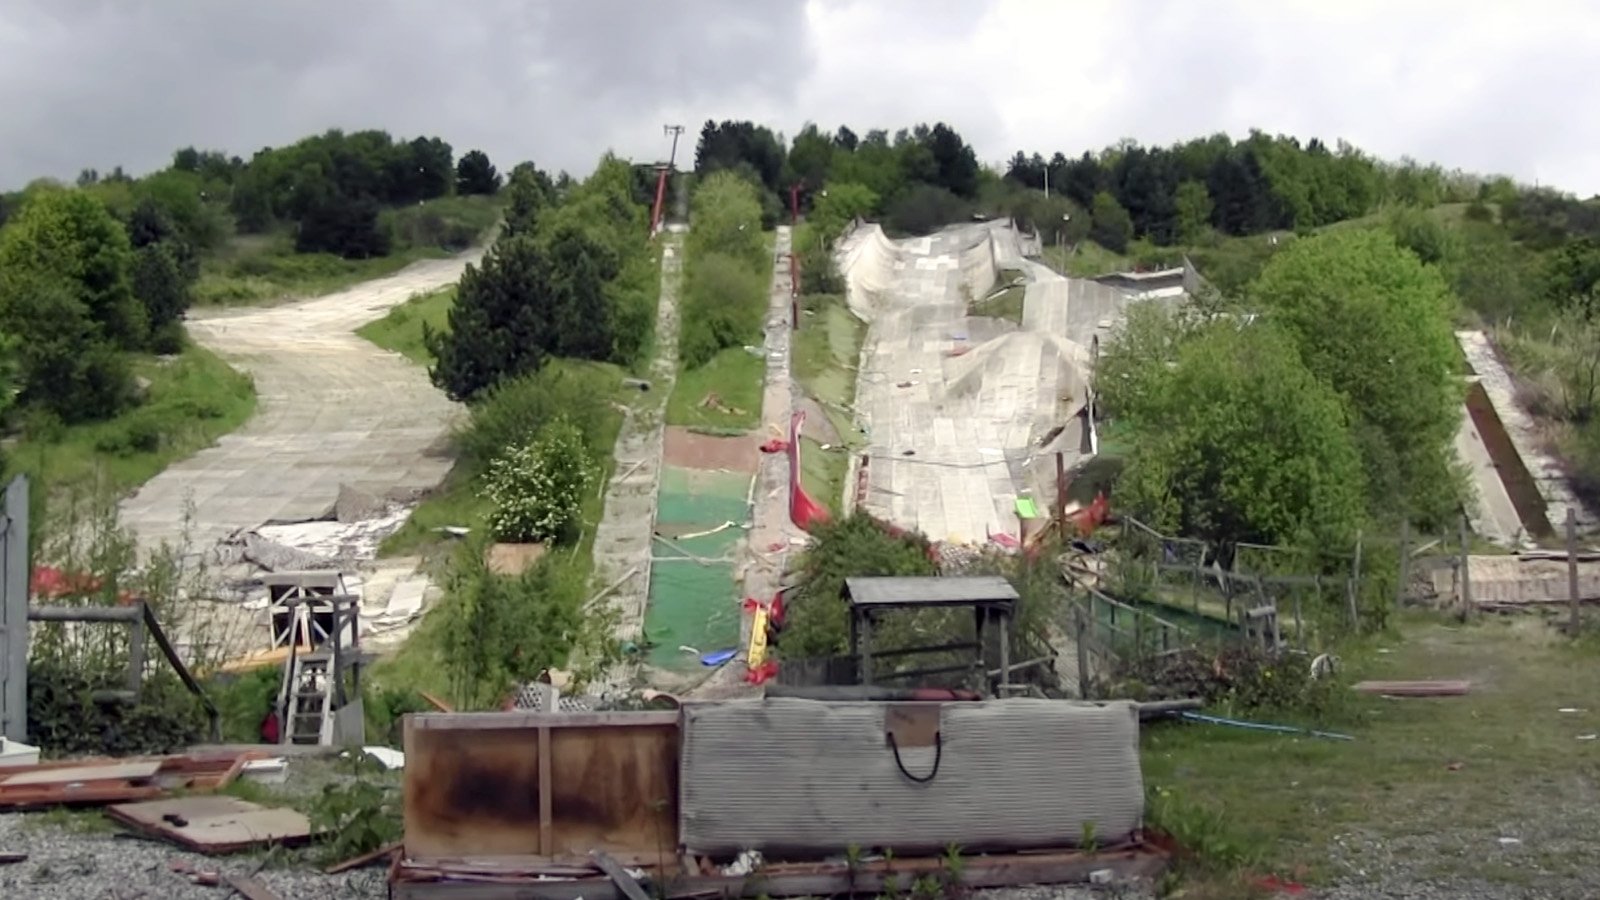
(1061, 493)
(1083, 655)
(1405, 564)
(1572, 571)
(546, 816)
(1465, 580)
(1355, 586)
(1005, 652)
(864, 652)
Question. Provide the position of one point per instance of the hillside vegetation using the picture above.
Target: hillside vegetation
(96, 277)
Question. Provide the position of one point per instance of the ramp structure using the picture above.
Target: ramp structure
(966, 414)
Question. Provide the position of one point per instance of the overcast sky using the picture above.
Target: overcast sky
(1482, 85)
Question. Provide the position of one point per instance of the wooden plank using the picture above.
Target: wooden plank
(11, 859)
(1415, 688)
(112, 771)
(364, 859)
(619, 876)
(547, 841)
(504, 720)
(249, 888)
(874, 878)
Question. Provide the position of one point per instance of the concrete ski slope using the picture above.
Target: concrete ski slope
(964, 414)
(333, 409)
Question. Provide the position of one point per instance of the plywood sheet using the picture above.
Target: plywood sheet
(214, 824)
(476, 790)
(109, 771)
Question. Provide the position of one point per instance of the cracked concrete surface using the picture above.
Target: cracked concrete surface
(622, 540)
(332, 409)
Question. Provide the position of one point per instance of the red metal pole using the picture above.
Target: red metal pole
(661, 196)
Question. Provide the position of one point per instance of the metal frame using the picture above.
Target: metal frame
(992, 609)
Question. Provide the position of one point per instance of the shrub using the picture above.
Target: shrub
(500, 632)
(925, 208)
(537, 488)
(508, 414)
(724, 304)
(817, 621)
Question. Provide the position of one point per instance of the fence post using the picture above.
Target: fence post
(1405, 564)
(1083, 657)
(136, 651)
(1466, 576)
(1355, 586)
(15, 573)
(1572, 570)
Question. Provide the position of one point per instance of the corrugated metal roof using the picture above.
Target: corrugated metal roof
(928, 590)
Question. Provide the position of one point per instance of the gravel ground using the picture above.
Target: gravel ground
(63, 863)
(1451, 864)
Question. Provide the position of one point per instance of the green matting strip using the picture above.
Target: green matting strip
(694, 604)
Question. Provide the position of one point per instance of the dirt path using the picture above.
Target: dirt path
(333, 409)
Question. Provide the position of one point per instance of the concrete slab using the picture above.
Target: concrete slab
(333, 409)
(957, 408)
(1547, 471)
(1492, 515)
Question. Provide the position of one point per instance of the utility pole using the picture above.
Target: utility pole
(673, 131)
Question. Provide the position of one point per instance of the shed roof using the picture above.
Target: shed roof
(932, 590)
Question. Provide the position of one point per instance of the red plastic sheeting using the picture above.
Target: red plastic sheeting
(803, 511)
(1092, 516)
(50, 583)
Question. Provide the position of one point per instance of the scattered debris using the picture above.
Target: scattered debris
(11, 859)
(1588, 737)
(1415, 688)
(249, 888)
(214, 824)
(116, 781)
(513, 559)
(619, 876)
(390, 758)
(384, 853)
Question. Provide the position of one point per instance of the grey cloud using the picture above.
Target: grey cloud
(97, 84)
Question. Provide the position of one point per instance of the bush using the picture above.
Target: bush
(1239, 679)
(139, 435)
(537, 488)
(500, 632)
(507, 415)
(64, 720)
(817, 621)
(724, 304)
(925, 208)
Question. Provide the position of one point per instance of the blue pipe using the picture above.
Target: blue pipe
(1261, 726)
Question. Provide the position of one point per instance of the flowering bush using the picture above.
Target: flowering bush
(537, 488)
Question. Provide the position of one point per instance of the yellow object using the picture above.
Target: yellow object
(757, 653)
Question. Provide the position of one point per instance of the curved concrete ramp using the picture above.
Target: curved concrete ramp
(965, 414)
(333, 410)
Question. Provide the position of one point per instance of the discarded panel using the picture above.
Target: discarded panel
(540, 784)
(134, 770)
(214, 824)
(1005, 774)
(116, 781)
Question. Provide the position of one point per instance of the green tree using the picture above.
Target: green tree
(68, 236)
(1374, 323)
(1110, 225)
(530, 193)
(160, 286)
(1193, 204)
(62, 363)
(727, 219)
(475, 174)
(838, 204)
(1236, 440)
(499, 325)
(1421, 232)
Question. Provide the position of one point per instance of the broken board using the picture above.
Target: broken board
(214, 824)
(132, 771)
